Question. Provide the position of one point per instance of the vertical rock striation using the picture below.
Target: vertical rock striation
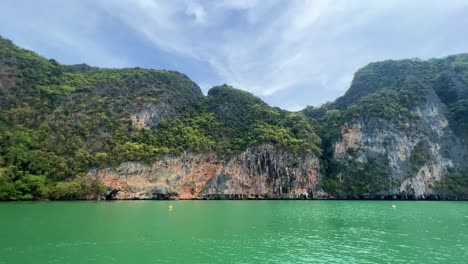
(263, 171)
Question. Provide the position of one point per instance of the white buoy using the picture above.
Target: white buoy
(393, 206)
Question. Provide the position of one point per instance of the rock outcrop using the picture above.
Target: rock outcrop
(152, 115)
(417, 152)
(81, 132)
(261, 172)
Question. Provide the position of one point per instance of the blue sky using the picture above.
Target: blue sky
(290, 53)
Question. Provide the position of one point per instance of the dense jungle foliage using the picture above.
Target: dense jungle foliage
(390, 90)
(57, 122)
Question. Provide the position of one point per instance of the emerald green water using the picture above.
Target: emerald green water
(234, 232)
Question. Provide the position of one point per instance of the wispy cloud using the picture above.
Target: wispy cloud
(272, 48)
(269, 46)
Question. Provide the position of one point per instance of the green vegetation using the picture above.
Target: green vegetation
(389, 92)
(244, 120)
(453, 187)
(420, 155)
(387, 74)
(369, 179)
(330, 121)
(389, 104)
(459, 123)
(349, 178)
(389, 89)
(57, 122)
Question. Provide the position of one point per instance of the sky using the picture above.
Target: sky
(290, 53)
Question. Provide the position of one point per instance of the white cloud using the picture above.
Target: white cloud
(195, 10)
(297, 42)
(264, 46)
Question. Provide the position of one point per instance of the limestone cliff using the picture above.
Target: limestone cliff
(82, 132)
(260, 172)
(427, 135)
(396, 132)
(393, 135)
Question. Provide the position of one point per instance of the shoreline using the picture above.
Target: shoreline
(246, 199)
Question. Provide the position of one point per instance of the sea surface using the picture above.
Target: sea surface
(234, 232)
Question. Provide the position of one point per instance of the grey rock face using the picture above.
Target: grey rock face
(153, 114)
(426, 134)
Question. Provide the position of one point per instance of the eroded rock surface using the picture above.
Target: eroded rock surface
(263, 171)
(427, 134)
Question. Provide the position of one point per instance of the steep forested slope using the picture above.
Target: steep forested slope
(399, 130)
(58, 122)
(81, 132)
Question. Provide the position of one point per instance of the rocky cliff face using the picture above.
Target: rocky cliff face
(400, 131)
(396, 140)
(395, 145)
(417, 150)
(261, 172)
(152, 114)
